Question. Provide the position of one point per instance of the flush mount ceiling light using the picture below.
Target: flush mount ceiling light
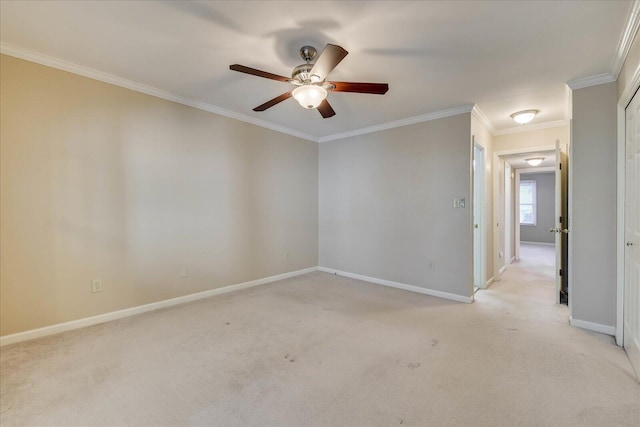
(309, 96)
(524, 117)
(534, 161)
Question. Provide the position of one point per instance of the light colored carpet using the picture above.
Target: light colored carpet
(323, 350)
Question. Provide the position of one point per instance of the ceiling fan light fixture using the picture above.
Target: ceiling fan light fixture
(524, 117)
(309, 96)
(534, 161)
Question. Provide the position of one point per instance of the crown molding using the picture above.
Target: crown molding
(483, 119)
(399, 123)
(626, 39)
(91, 73)
(529, 128)
(598, 79)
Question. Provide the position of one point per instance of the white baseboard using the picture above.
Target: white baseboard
(412, 288)
(537, 243)
(590, 326)
(502, 269)
(489, 282)
(102, 318)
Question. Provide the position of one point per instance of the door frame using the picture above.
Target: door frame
(509, 217)
(479, 206)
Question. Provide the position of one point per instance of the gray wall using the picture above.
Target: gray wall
(593, 202)
(386, 205)
(545, 201)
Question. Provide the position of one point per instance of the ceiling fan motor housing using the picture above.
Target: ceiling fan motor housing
(308, 53)
(302, 73)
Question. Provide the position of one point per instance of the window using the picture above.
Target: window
(528, 202)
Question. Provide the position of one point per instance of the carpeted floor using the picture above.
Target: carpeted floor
(323, 350)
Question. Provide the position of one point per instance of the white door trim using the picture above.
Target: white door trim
(479, 277)
(620, 190)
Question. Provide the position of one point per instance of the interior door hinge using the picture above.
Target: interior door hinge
(560, 219)
(560, 164)
(560, 272)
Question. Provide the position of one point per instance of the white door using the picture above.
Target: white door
(478, 216)
(631, 309)
(562, 225)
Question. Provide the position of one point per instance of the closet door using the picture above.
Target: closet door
(631, 337)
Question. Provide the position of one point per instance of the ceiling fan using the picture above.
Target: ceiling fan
(310, 79)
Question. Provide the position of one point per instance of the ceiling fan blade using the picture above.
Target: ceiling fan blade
(274, 101)
(259, 73)
(326, 110)
(330, 56)
(373, 88)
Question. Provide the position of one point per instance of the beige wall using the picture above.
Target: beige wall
(100, 182)
(386, 205)
(485, 139)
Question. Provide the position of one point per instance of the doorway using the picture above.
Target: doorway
(534, 212)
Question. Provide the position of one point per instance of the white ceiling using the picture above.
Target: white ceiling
(503, 56)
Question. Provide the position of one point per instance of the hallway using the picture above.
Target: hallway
(533, 275)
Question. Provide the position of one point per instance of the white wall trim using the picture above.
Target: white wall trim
(590, 326)
(503, 269)
(620, 225)
(626, 39)
(411, 288)
(537, 169)
(538, 243)
(529, 128)
(483, 119)
(524, 150)
(114, 315)
(598, 79)
(91, 73)
(489, 282)
(399, 123)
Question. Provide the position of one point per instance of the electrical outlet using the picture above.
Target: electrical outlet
(500, 254)
(96, 286)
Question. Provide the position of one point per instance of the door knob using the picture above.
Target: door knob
(565, 231)
(629, 244)
(475, 225)
(552, 230)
